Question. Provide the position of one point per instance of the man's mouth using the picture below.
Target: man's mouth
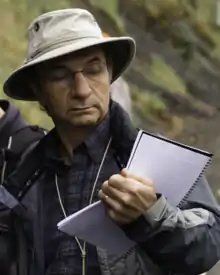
(80, 109)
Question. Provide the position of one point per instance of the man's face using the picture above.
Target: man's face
(75, 89)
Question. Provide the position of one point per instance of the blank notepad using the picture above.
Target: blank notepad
(173, 167)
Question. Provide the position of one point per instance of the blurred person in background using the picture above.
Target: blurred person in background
(120, 92)
(69, 69)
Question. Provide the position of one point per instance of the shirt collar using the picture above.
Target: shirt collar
(98, 140)
(95, 143)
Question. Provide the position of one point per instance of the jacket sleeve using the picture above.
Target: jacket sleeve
(10, 122)
(13, 125)
(16, 136)
(181, 241)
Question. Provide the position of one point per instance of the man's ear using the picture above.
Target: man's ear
(110, 69)
(37, 91)
(33, 88)
(110, 76)
(42, 102)
(109, 62)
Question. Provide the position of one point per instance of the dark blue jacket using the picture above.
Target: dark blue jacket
(169, 240)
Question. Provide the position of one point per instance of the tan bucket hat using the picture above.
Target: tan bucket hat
(61, 32)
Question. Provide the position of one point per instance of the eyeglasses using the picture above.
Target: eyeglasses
(63, 74)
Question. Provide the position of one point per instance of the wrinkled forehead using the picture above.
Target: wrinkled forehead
(78, 58)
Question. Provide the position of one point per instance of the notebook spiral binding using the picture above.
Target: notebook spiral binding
(124, 256)
(194, 185)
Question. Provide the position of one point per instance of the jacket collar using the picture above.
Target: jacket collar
(122, 130)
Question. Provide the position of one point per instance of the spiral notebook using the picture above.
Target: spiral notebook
(175, 170)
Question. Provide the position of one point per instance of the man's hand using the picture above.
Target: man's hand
(1, 112)
(127, 197)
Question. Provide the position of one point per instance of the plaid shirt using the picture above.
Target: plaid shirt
(62, 254)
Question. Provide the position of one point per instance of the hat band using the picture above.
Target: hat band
(41, 51)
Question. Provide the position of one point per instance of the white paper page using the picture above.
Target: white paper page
(173, 169)
(94, 226)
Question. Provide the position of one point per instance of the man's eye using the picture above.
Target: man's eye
(94, 69)
(58, 75)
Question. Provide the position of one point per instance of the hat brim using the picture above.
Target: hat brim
(122, 51)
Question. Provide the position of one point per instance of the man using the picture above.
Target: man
(69, 69)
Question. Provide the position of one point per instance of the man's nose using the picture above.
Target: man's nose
(81, 86)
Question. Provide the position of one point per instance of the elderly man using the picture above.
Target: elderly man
(68, 70)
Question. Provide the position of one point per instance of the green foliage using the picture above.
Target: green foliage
(165, 76)
(111, 9)
(147, 103)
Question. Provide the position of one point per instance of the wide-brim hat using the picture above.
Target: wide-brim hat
(59, 33)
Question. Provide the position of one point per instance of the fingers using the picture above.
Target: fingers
(127, 185)
(119, 208)
(125, 197)
(126, 174)
(130, 186)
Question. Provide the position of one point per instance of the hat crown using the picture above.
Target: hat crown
(58, 27)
